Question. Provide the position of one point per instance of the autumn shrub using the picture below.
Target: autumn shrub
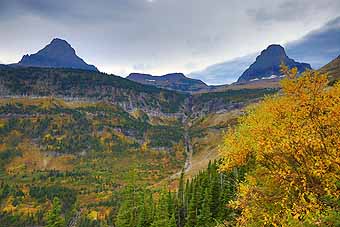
(291, 144)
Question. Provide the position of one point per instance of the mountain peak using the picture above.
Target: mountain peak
(273, 53)
(56, 42)
(274, 49)
(267, 64)
(57, 54)
(275, 46)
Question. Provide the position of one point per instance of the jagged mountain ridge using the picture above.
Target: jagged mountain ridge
(172, 81)
(58, 54)
(267, 64)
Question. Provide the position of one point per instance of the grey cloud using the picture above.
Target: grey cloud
(157, 36)
(291, 10)
(319, 46)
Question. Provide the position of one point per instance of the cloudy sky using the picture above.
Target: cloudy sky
(157, 36)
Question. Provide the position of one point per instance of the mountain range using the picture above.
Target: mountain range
(60, 54)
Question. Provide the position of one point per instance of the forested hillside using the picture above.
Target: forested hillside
(54, 148)
(75, 135)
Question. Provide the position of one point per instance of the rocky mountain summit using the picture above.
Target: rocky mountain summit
(267, 64)
(58, 54)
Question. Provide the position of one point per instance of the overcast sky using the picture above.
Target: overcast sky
(157, 36)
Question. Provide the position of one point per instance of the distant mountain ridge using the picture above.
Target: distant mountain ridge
(267, 64)
(172, 81)
(58, 54)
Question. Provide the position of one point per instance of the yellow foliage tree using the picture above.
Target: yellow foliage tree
(290, 143)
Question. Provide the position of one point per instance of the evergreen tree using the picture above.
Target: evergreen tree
(192, 212)
(123, 218)
(204, 219)
(172, 221)
(54, 218)
(191, 206)
(181, 201)
(161, 217)
(145, 211)
(171, 204)
(127, 213)
(215, 193)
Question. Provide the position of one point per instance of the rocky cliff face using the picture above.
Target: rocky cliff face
(57, 54)
(267, 64)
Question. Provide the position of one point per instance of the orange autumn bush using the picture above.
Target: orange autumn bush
(290, 143)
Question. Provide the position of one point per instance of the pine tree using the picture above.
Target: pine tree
(161, 217)
(123, 218)
(127, 213)
(171, 205)
(215, 193)
(192, 212)
(172, 221)
(54, 217)
(204, 219)
(181, 201)
(145, 210)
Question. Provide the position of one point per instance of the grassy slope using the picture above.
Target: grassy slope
(206, 135)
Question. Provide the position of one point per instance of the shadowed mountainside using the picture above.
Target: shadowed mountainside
(267, 64)
(58, 54)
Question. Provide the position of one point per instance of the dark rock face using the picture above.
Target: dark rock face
(268, 63)
(172, 81)
(57, 54)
